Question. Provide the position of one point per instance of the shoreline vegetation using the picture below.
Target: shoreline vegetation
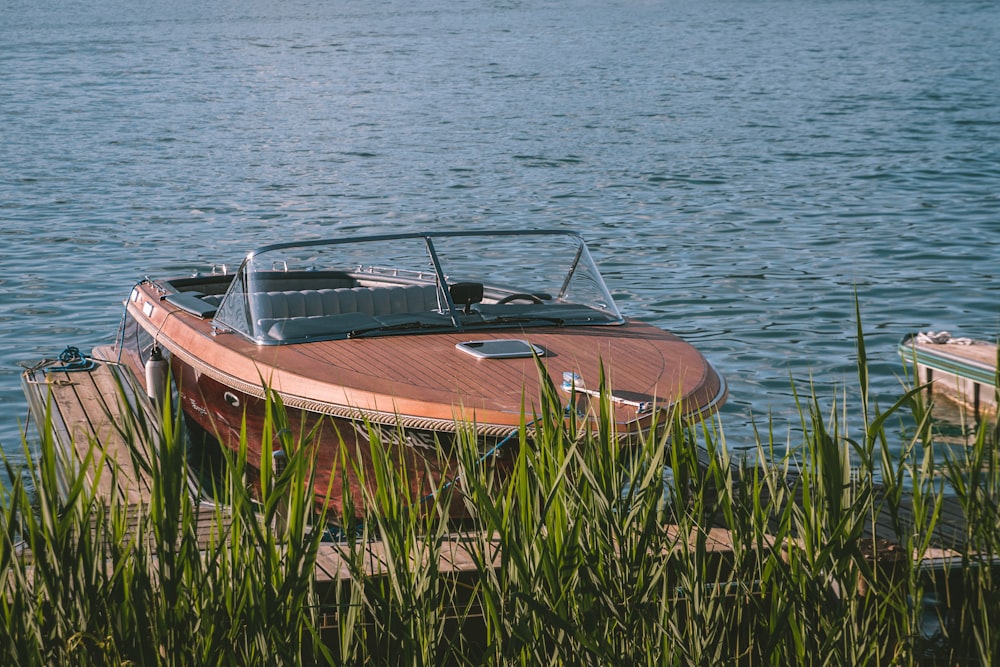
(584, 556)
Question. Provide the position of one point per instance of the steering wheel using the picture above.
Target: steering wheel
(519, 297)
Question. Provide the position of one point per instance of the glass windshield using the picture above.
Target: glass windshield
(409, 283)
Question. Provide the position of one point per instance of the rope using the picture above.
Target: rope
(942, 338)
(120, 334)
(72, 361)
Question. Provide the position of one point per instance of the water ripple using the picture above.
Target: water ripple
(741, 175)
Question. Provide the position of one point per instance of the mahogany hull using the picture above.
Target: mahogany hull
(419, 382)
(341, 451)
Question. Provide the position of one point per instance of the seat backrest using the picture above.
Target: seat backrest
(373, 301)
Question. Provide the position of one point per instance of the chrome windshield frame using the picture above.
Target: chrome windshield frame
(241, 314)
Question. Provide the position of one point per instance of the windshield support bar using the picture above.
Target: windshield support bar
(572, 270)
(442, 283)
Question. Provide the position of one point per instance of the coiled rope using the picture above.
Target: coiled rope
(72, 360)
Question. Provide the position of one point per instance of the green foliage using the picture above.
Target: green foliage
(583, 554)
(86, 580)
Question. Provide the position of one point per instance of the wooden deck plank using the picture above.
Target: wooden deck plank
(95, 426)
(118, 396)
(949, 531)
(73, 430)
(90, 418)
(330, 565)
(979, 353)
(460, 550)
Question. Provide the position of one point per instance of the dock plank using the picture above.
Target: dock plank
(96, 437)
(118, 398)
(83, 409)
(330, 565)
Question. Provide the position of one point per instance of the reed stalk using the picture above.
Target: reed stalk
(588, 549)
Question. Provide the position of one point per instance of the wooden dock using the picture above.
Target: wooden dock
(960, 369)
(84, 411)
(90, 406)
(83, 408)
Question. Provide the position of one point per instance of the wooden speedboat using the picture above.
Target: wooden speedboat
(961, 369)
(414, 334)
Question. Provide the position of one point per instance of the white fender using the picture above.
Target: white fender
(156, 377)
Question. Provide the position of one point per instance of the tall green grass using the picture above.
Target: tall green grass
(107, 584)
(584, 556)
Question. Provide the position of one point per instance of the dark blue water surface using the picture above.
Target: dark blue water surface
(742, 169)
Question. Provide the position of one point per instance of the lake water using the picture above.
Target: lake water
(741, 169)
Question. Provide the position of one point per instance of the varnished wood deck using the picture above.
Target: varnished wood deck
(398, 379)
